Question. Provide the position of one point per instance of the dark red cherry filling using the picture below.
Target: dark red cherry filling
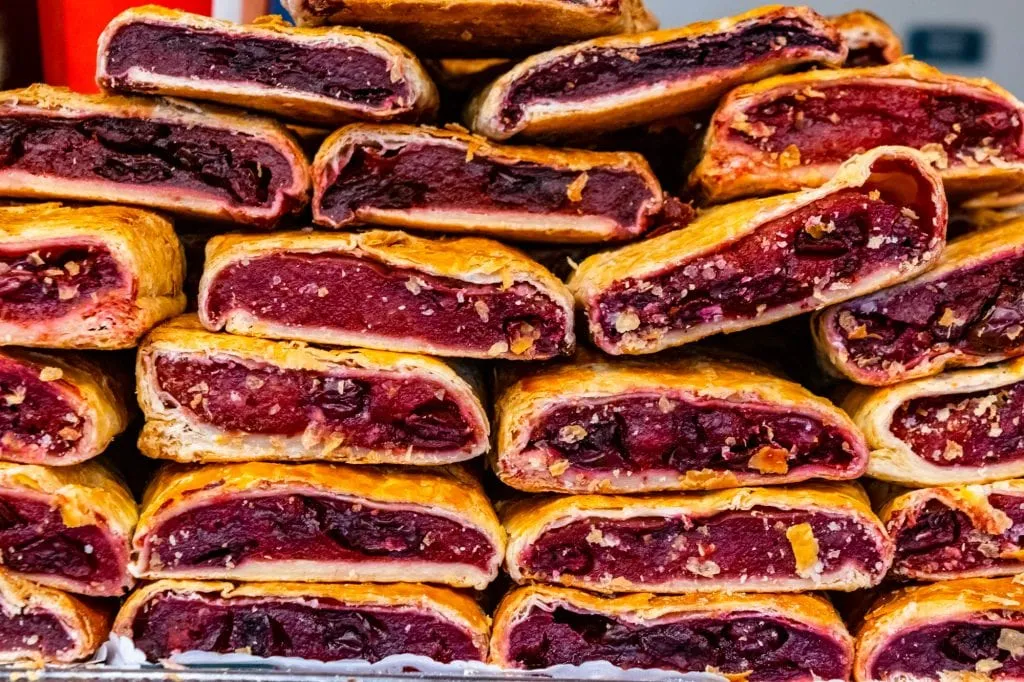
(235, 531)
(52, 279)
(601, 71)
(231, 166)
(940, 539)
(650, 433)
(820, 249)
(653, 550)
(313, 629)
(952, 646)
(828, 122)
(35, 540)
(358, 408)
(975, 311)
(439, 177)
(357, 295)
(967, 429)
(34, 630)
(349, 74)
(769, 649)
(36, 421)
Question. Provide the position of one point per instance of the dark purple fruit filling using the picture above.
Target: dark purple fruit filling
(599, 71)
(977, 310)
(36, 420)
(34, 540)
(356, 408)
(829, 121)
(34, 631)
(439, 177)
(968, 429)
(234, 167)
(306, 527)
(953, 646)
(818, 249)
(313, 629)
(645, 433)
(871, 54)
(357, 295)
(771, 650)
(940, 539)
(54, 279)
(653, 550)
(349, 74)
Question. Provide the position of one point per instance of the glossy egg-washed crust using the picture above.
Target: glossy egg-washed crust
(170, 434)
(509, 224)
(142, 242)
(450, 605)
(280, 101)
(861, 29)
(960, 254)
(470, 259)
(87, 625)
(730, 169)
(721, 226)
(528, 519)
(451, 493)
(689, 379)
(88, 494)
(653, 101)
(972, 500)
(61, 103)
(892, 459)
(478, 28)
(810, 611)
(91, 392)
(905, 610)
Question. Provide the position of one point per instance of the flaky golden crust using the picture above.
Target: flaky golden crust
(449, 493)
(145, 248)
(729, 169)
(893, 459)
(87, 494)
(86, 625)
(861, 30)
(534, 469)
(479, 27)
(1002, 241)
(722, 226)
(903, 611)
(520, 225)
(61, 103)
(170, 432)
(455, 607)
(470, 259)
(649, 101)
(802, 610)
(279, 100)
(527, 520)
(95, 397)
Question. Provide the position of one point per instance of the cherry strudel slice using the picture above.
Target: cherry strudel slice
(870, 40)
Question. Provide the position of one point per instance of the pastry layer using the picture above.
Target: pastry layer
(318, 523)
(465, 297)
(789, 132)
(761, 638)
(219, 397)
(320, 76)
(314, 622)
(870, 40)
(450, 181)
(92, 277)
(966, 311)
(613, 83)
(67, 527)
(680, 424)
(159, 153)
(880, 221)
(809, 538)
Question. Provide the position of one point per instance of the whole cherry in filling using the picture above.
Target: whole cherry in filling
(36, 420)
(324, 630)
(953, 646)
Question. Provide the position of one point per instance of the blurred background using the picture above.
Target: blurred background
(55, 39)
